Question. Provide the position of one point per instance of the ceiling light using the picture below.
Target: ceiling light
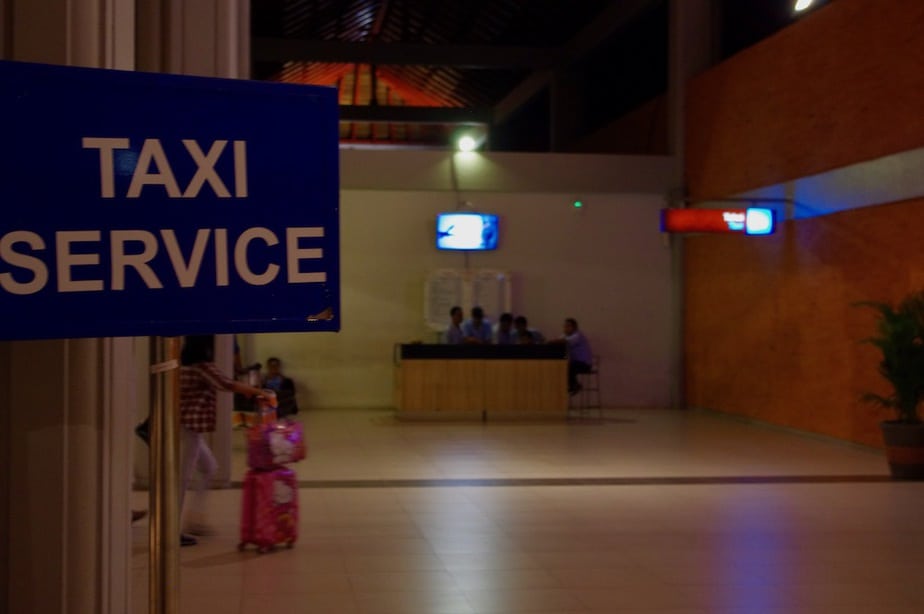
(466, 143)
(801, 5)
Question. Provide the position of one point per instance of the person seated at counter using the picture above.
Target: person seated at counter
(580, 356)
(524, 333)
(454, 334)
(476, 329)
(282, 385)
(504, 334)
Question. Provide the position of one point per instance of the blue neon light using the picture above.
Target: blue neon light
(759, 221)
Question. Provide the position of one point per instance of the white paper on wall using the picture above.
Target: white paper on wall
(445, 288)
(491, 291)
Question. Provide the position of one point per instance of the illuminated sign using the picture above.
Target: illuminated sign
(750, 221)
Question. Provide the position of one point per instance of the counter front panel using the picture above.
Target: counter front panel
(481, 381)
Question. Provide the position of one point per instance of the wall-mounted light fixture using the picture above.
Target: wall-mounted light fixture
(466, 143)
(469, 138)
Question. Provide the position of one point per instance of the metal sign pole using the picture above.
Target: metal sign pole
(164, 532)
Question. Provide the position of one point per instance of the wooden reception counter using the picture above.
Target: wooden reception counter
(481, 382)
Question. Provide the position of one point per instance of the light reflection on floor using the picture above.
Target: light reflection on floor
(647, 511)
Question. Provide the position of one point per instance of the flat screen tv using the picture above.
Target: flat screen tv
(466, 231)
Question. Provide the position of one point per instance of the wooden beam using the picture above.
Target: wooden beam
(414, 115)
(461, 56)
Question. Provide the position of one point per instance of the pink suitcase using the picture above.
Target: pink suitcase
(272, 445)
(269, 510)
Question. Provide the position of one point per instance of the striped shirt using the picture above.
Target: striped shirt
(198, 384)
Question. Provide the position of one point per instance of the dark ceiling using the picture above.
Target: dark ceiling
(530, 75)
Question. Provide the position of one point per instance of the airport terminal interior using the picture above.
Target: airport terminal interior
(667, 512)
(722, 457)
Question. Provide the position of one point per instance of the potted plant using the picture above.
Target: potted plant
(900, 340)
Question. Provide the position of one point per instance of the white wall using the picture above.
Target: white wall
(606, 265)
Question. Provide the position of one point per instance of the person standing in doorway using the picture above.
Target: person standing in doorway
(200, 379)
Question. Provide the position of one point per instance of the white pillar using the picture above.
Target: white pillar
(65, 542)
(208, 38)
(69, 403)
(6, 469)
(692, 49)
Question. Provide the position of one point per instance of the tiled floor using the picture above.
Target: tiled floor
(646, 511)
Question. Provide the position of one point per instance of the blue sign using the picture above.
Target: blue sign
(148, 204)
(759, 221)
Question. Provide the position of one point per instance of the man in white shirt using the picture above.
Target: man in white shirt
(477, 330)
(454, 334)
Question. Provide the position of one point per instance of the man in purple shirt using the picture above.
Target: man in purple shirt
(580, 356)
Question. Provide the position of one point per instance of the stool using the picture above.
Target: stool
(588, 397)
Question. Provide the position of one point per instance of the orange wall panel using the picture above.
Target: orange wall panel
(843, 85)
(771, 330)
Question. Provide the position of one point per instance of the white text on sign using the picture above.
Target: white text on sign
(154, 169)
(21, 249)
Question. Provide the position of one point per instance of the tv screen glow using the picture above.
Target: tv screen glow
(466, 231)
